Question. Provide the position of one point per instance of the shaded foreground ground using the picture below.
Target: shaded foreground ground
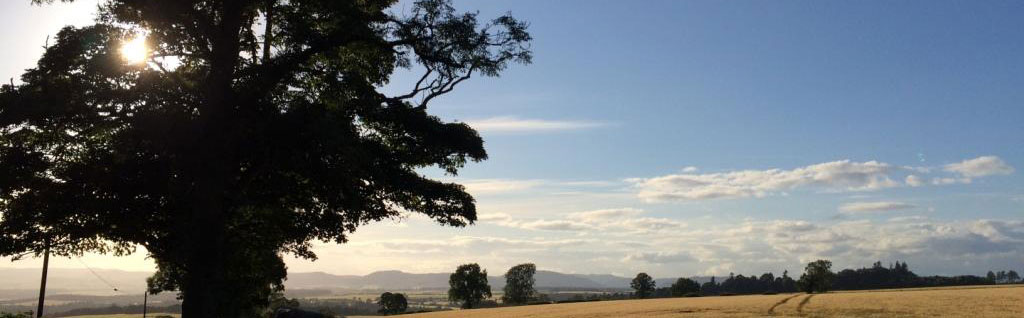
(150, 315)
(970, 301)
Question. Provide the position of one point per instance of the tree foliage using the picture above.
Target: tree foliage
(1003, 277)
(876, 277)
(392, 303)
(468, 285)
(229, 147)
(1012, 277)
(684, 286)
(817, 277)
(643, 284)
(519, 284)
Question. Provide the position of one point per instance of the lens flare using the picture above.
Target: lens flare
(135, 50)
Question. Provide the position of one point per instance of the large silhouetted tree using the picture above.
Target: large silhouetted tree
(519, 284)
(241, 138)
(468, 284)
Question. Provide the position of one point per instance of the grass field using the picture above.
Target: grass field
(980, 301)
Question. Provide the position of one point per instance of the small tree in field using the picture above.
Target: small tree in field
(817, 277)
(468, 285)
(392, 303)
(643, 284)
(519, 284)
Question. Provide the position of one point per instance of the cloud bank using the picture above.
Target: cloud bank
(834, 176)
(843, 175)
(748, 247)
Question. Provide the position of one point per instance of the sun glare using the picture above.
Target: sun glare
(135, 50)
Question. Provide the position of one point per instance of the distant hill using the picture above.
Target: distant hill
(23, 281)
(81, 281)
(398, 280)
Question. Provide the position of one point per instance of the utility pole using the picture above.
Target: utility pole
(42, 285)
(145, 301)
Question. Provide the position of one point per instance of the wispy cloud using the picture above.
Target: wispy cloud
(512, 124)
(840, 175)
(980, 167)
(880, 206)
(604, 214)
(623, 221)
(506, 220)
(836, 175)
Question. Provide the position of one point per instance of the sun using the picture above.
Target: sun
(135, 51)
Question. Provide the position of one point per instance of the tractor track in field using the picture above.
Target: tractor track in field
(800, 307)
(771, 311)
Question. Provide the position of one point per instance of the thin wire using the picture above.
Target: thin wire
(97, 275)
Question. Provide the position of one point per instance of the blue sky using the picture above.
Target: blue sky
(708, 137)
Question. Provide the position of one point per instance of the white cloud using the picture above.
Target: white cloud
(881, 206)
(980, 167)
(843, 175)
(690, 169)
(522, 125)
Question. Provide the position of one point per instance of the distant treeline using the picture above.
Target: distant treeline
(898, 276)
(767, 283)
(877, 276)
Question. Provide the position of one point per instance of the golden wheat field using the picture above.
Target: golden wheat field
(936, 302)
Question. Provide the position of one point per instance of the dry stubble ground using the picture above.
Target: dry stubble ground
(971, 301)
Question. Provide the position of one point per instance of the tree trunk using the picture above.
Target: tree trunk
(203, 290)
(207, 288)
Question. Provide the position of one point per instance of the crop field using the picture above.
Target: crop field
(970, 301)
